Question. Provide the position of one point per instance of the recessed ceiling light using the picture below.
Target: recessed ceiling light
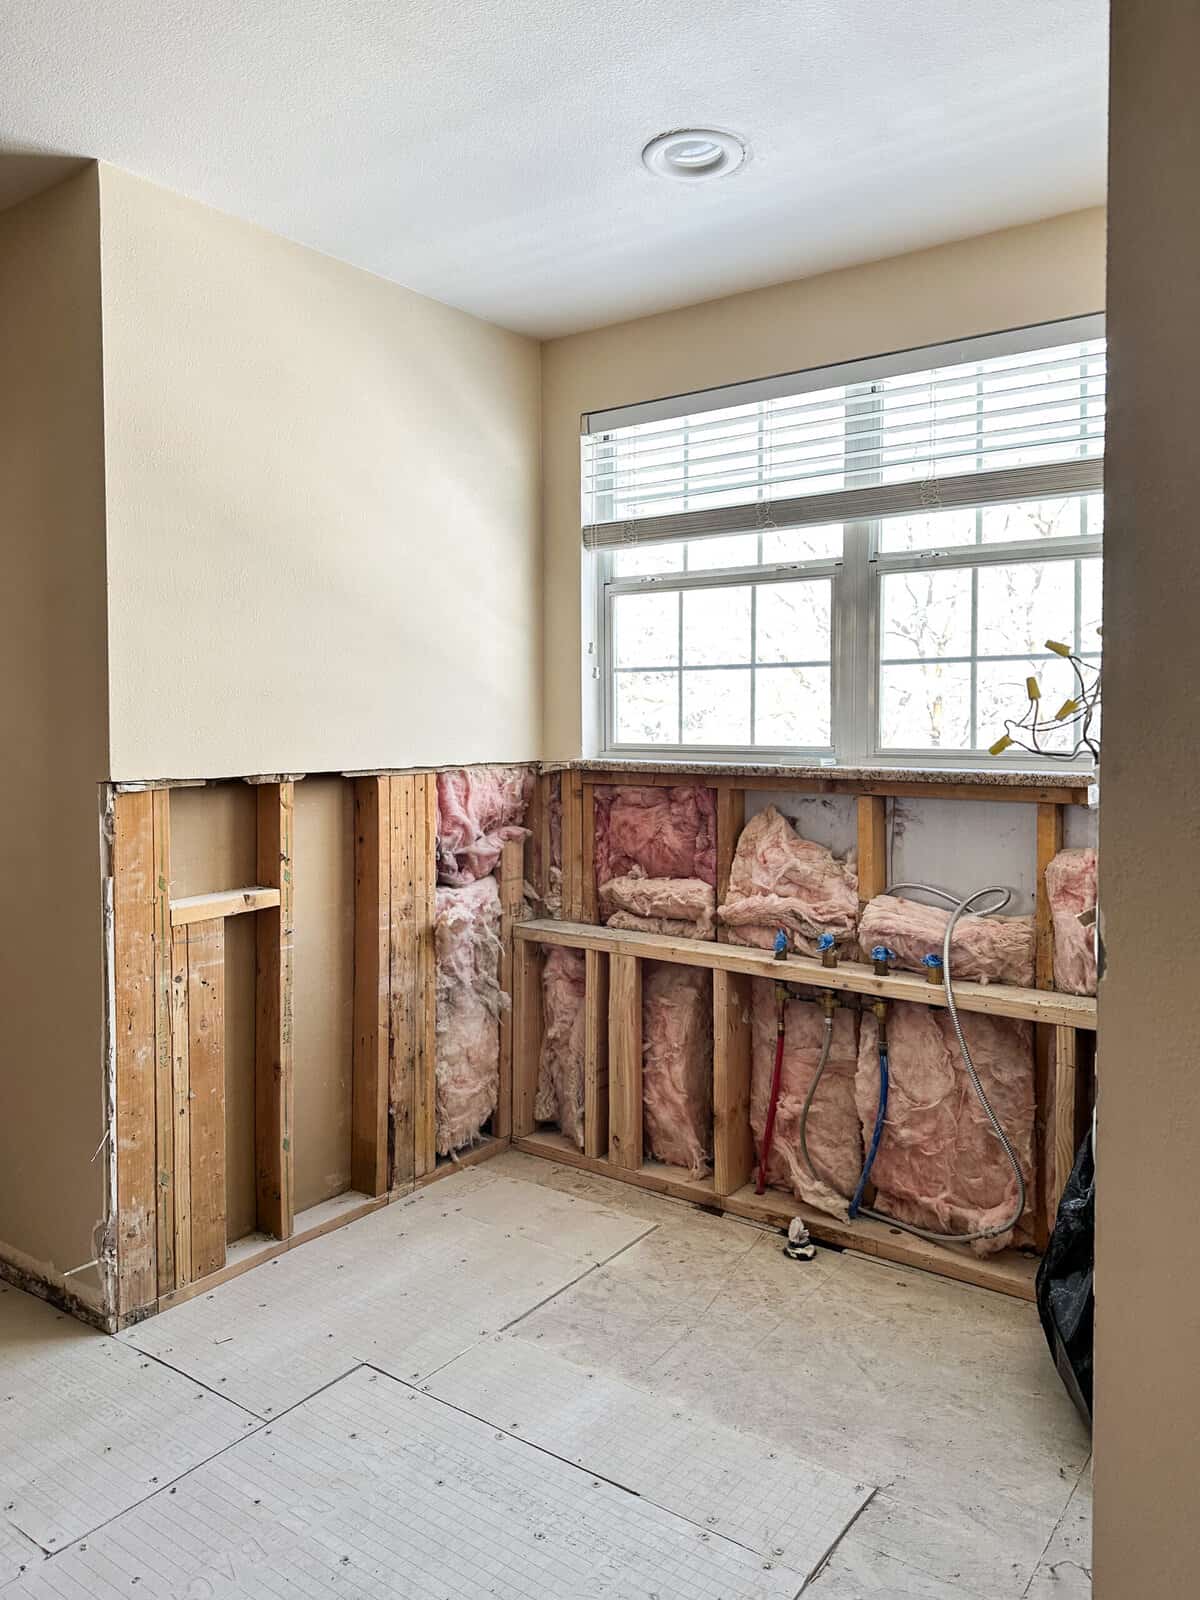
(694, 153)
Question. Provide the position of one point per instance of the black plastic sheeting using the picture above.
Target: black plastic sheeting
(1065, 1292)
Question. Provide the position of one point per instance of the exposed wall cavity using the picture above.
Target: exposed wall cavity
(958, 845)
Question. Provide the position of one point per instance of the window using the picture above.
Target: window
(855, 564)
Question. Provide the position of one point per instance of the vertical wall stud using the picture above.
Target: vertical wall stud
(625, 1061)
(872, 847)
(588, 901)
(1049, 843)
(733, 1143)
(206, 1093)
(181, 1124)
(595, 1054)
(571, 789)
(163, 1064)
(402, 964)
(527, 1033)
(512, 889)
(425, 1009)
(134, 1025)
(731, 819)
(372, 984)
(1066, 1043)
(273, 1079)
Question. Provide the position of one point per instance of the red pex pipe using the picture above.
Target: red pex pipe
(773, 1106)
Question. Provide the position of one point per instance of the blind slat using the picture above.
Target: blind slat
(1058, 480)
(814, 462)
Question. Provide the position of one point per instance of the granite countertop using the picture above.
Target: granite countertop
(996, 777)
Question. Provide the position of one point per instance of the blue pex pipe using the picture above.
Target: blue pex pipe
(880, 1114)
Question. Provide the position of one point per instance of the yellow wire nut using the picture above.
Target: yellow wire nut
(1033, 688)
(1059, 649)
(1067, 709)
(1000, 746)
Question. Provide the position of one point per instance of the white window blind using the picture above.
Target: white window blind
(1013, 417)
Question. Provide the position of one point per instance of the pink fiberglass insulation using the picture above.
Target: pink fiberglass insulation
(939, 1164)
(469, 1003)
(560, 1066)
(984, 949)
(1071, 886)
(677, 1058)
(552, 900)
(684, 907)
(834, 1133)
(666, 833)
(779, 880)
(479, 809)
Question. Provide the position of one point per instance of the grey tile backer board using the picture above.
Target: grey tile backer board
(770, 1500)
(17, 1553)
(900, 1552)
(407, 1288)
(373, 1491)
(88, 1427)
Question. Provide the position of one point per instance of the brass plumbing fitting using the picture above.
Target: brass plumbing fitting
(880, 1008)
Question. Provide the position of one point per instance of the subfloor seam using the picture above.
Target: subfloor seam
(596, 1266)
(1062, 1516)
(597, 1477)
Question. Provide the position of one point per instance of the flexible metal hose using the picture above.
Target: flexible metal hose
(1004, 896)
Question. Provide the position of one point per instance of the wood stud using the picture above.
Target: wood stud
(595, 1054)
(273, 1071)
(135, 1038)
(625, 1061)
(512, 893)
(731, 819)
(375, 894)
(1045, 1201)
(733, 1143)
(205, 1107)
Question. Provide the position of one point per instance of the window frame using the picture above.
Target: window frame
(856, 624)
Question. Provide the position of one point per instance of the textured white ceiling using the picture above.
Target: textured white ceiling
(487, 152)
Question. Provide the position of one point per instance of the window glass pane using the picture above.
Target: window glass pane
(730, 550)
(1094, 506)
(646, 707)
(1090, 610)
(822, 543)
(792, 706)
(793, 621)
(932, 530)
(925, 707)
(716, 626)
(637, 561)
(1033, 519)
(646, 630)
(926, 614)
(716, 707)
(1020, 607)
(1001, 693)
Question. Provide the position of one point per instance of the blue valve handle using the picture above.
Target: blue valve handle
(825, 942)
(931, 960)
(881, 953)
(781, 945)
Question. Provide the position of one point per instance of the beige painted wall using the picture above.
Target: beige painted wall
(52, 676)
(1002, 280)
(1147, 1535)
(324, 546)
